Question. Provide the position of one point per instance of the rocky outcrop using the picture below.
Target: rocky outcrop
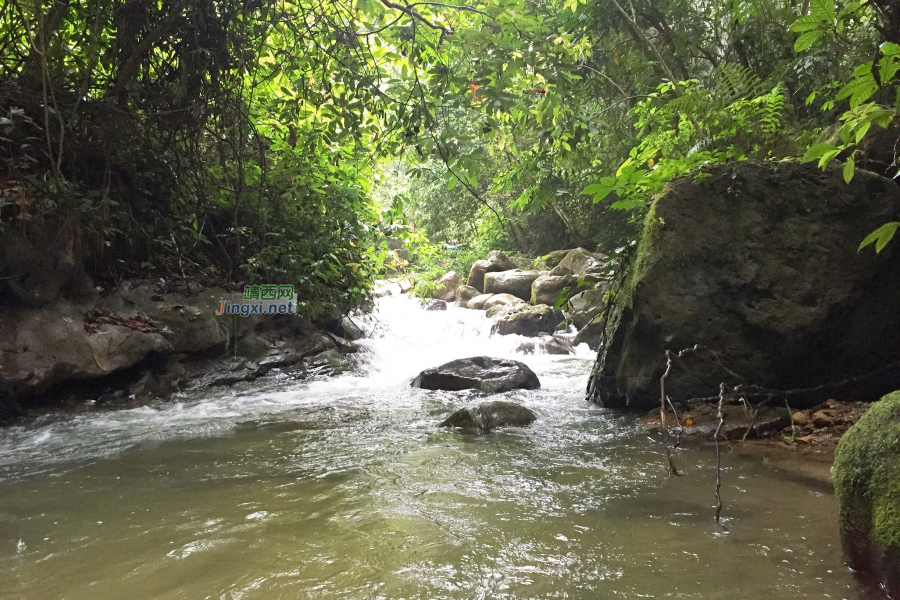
(489, 416)
(446, 287)
(494, 262)
(760, 263)
(464, 293)
(867, 484)
(527, 320)
(142, 340)
(481, 373)
(515, 282)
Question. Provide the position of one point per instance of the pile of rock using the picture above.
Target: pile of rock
(523, 301)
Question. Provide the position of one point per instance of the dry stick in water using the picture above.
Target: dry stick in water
(721, 417)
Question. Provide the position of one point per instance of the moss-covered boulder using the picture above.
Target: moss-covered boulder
(759, 262)
(867, 482)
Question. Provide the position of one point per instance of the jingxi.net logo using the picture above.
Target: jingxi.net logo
(262, 300)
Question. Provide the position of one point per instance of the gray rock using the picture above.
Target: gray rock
(464, 294)
(489, 416)
(501, 300)
(546, 345)
(447, 285)
(515, 282)
(527, 320)
(760, 263)
(494, 262)
(477, 303)
(482, 373)
(437, 305)
(580, 260)
(547, 289)
(560, 270)
(591, 334)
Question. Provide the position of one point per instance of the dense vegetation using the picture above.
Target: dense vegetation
(284, 140)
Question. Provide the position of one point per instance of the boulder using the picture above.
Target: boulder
(584, 306)
(866, 477)
(760, 263)
(591, 334)
(437, 305)
(464, 293)
(560, 270)
(527, 320)
(580, 260)
(446, 287)
(516, 282)
(501, 300)
(477, 303)
(551, 259)
(494, 262)
(481, 373)
(547, 289)
(490, 415)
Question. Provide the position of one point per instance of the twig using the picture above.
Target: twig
(721, 417)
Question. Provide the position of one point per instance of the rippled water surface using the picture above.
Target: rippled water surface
(346, 489)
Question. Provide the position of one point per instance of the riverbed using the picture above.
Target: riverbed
(346, 488)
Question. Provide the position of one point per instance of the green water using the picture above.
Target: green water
(346, 489)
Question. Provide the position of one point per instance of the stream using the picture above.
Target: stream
(347, 489)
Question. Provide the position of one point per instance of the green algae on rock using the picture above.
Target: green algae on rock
(867, 482)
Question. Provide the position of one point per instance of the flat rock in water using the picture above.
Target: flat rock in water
(482, 373)
(490, 415)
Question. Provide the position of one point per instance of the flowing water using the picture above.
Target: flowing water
(347, 489)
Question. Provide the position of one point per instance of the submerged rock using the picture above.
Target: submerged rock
(760, 263)
(546, 345)
(490, 415)
(867, 484)
(437, 305)
(482, 373)
(494, 262)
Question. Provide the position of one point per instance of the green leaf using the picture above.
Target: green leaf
(807, 39)
(452, 183)
(828, 157)
(881, 236)
(807, 23)
(816, 151)
(822, 9)
(849, 167)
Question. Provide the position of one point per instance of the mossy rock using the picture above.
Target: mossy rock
(867, 482)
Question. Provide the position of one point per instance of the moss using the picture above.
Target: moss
(867, 474)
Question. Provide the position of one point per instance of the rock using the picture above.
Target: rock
(591, 334)
(580, 260)
(560, 270)
(447, 285)
(405, 285)
(351, 330)
(552, 259)
(701, 420)
(437, 305)
(482, 373)
(547, 289)
(516, 282)
(546, 345)
(586, 305)
(489, 416)
(464, 294)
(800, 417)
(527, 320)
(760, 263)
(866, 477)
(501, 300)
(494, 262)
(822, 418)
(387, 287)
(477, 303)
